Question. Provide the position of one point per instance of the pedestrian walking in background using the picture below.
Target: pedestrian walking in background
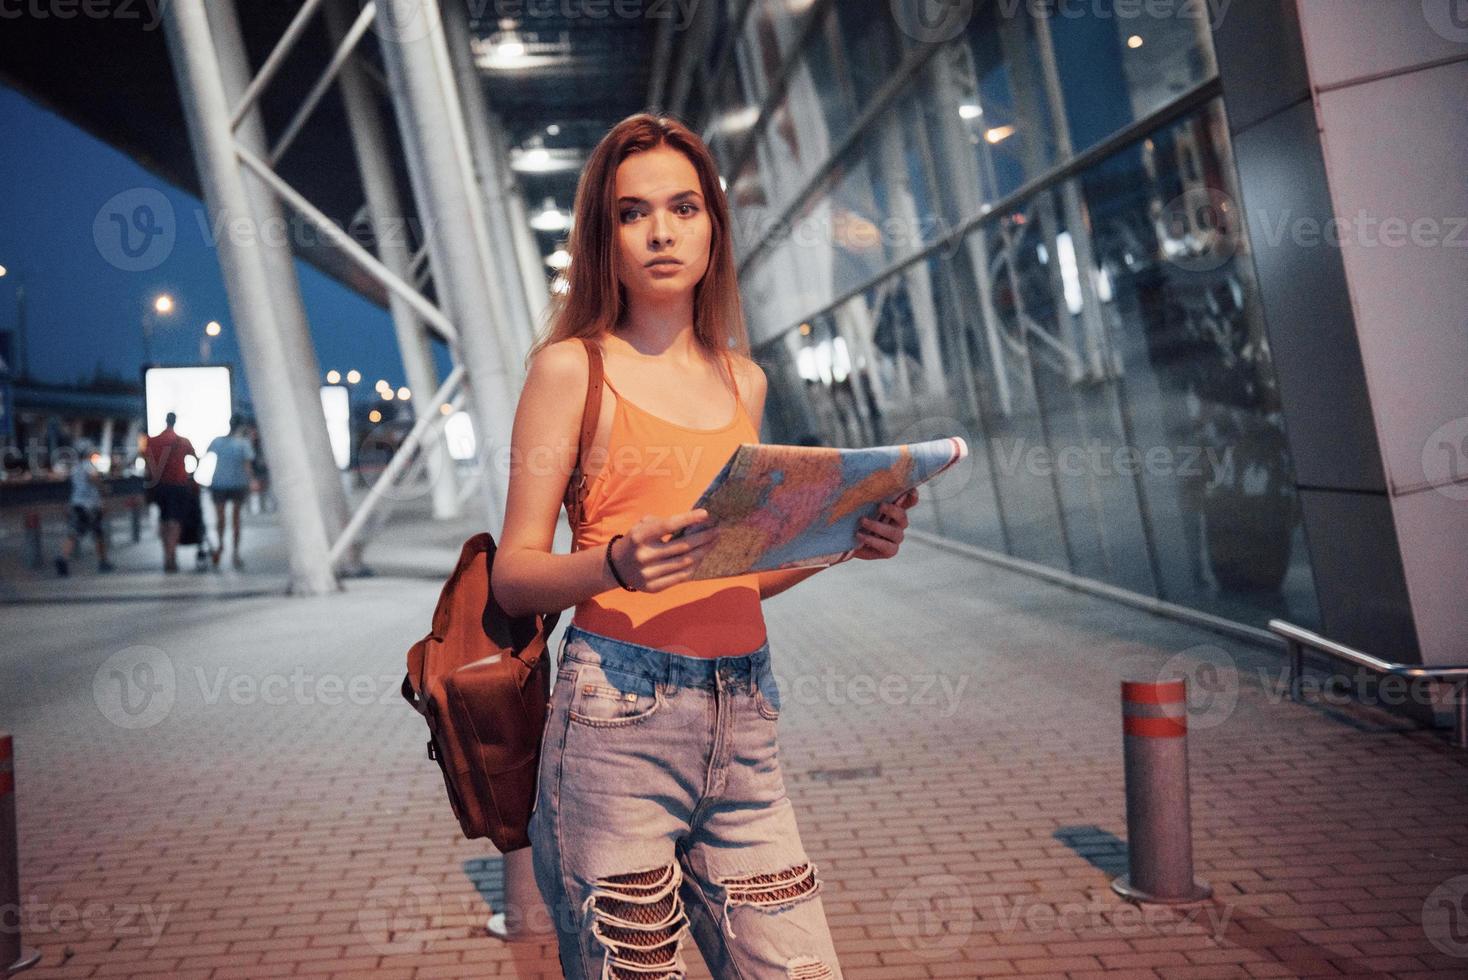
(84, 516)
(172, 485)
(263, 494)
(234, 457)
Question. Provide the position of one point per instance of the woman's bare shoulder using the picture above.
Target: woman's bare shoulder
(561, 363)
(751, 376)
(750, 379)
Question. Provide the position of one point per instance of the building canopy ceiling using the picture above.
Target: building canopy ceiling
(112, 77)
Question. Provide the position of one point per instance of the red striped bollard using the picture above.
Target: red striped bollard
(13, 956)
(1158, 814)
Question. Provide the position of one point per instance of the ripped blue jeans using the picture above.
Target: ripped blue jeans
(661, 811)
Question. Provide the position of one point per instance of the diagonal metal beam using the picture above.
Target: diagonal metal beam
(349, 245)
(428, 418)
(419, 268)
(323, 84)
(273, 63)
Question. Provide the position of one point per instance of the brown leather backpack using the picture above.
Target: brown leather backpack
(481, 677)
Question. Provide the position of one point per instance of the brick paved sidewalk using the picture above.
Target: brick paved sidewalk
(952, 745)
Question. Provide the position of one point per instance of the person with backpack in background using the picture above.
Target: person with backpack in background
(172, 485)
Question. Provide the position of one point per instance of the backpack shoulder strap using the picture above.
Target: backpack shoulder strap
(590, 415)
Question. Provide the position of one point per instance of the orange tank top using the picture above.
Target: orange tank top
(653, 466)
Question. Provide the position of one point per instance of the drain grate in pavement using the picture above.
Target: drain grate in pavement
(843, 775)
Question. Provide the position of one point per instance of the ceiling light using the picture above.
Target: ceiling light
(534, 158)
(738, 121)
(507, 44)
(550, 217)
(509, 50)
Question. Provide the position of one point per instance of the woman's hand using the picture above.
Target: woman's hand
(649, 564)
(880, 538)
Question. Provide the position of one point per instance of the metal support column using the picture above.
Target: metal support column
(695, 42)
(955, 82)
(431, 120)
(247, 276)
(290, 311)
(386, 213)
(531, 263)
(1099, 358)
(891, 161)
(504, 260)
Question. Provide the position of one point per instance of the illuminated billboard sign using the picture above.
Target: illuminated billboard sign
(200, 395)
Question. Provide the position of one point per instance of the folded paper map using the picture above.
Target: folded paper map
(795, 506)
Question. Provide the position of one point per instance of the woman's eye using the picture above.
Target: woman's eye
(692, 210)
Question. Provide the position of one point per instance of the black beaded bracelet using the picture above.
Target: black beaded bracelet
(616, 574)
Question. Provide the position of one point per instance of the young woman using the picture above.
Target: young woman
(661, 809)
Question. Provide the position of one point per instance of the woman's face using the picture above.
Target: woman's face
(661, 214)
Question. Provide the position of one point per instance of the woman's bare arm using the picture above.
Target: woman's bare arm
(773, 583)
(527, 577)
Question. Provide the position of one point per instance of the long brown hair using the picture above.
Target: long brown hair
(595, 300)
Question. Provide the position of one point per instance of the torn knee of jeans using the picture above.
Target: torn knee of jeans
(808, 968)
(639, 919)
(771, 892)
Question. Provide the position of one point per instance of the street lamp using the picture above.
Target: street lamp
(211, 329)
(162, 305)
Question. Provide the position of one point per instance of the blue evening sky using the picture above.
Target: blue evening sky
(83, 310)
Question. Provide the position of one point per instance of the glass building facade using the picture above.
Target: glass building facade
(1021, 232)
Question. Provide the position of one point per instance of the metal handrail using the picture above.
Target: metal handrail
(1297, 638)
